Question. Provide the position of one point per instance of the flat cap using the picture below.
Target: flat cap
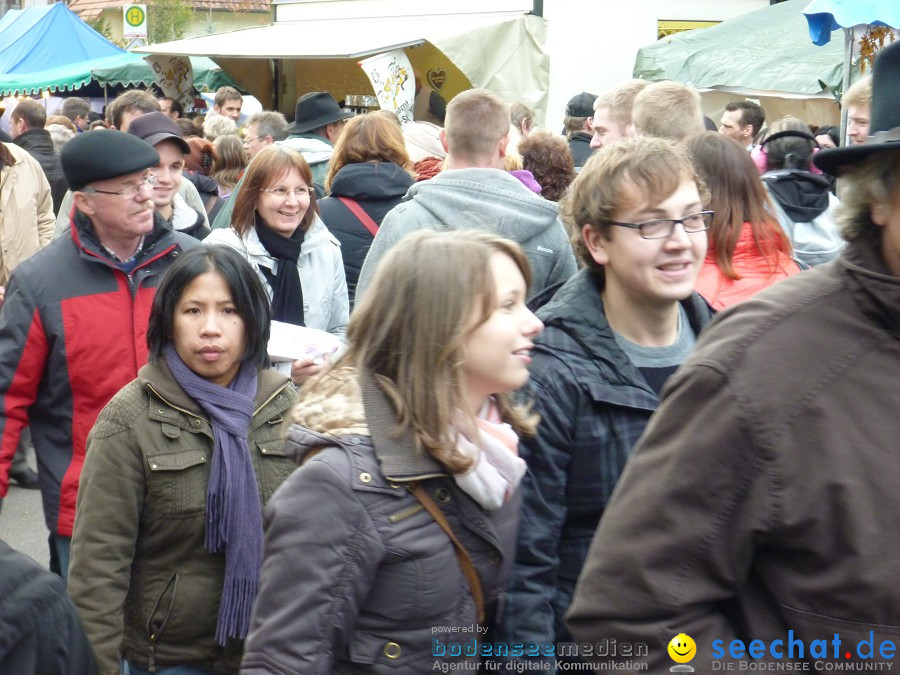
(103, 154)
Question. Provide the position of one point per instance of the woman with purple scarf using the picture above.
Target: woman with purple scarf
(168, 537)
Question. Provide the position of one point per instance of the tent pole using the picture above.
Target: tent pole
(848, 58)
(276, 83)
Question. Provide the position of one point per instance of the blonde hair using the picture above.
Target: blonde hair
(859, 93)
(476, 121)
(619, 101)
(229, 162)
(409, 332)
(668, 110)
(650, 168)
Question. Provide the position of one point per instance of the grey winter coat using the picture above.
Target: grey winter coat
(357, 577)
(487, 199)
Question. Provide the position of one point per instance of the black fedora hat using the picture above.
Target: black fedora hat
(884, 129)
(316, 109)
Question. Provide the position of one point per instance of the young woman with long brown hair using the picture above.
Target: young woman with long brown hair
(747, 250)
(403, 515)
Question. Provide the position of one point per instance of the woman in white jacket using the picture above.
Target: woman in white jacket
(275, 221)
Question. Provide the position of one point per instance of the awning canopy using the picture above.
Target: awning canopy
(123, 70)
(330, 38)
(501, 51)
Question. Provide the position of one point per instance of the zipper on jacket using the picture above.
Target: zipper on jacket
(270, 399)
(422, 476)
(193, 414)
(172, 405)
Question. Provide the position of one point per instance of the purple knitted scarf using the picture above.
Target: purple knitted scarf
(233, 508)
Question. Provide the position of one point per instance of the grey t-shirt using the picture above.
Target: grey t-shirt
(656, 364)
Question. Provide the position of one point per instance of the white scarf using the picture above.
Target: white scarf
(497, 469)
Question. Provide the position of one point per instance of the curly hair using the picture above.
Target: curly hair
(548, 158)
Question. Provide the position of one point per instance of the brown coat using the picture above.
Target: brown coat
(26, 210)
(764, 496)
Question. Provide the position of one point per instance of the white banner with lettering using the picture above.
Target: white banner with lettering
(175, 76)
(392, 78)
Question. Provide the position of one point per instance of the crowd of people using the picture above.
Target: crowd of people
(554, 390)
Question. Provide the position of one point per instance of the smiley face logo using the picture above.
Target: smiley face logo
(682, 648)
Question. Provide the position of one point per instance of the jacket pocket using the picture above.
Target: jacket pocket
(368, 649)
(862, 641)
(177, 482)
(159, 613)
(273, 465)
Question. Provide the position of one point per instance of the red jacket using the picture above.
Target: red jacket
(755, 272)
(73, 332)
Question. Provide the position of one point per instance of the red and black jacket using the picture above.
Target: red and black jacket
(73, 331)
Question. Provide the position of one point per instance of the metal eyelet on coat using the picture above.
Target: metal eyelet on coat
(392, 650)
(493, 558)
(365, 478)
(442, 495)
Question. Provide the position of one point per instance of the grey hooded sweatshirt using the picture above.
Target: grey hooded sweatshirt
(487, 199)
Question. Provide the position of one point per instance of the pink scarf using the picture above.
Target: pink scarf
(497, 469)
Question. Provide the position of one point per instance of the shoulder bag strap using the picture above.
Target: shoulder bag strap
(360, 214)
(465, 561)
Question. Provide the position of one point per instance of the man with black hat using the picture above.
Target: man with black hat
(578, 126)
(759, 513)
(72, 329)
(318, 123)
(160, 131)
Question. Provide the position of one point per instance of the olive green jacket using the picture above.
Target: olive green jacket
(145, 587)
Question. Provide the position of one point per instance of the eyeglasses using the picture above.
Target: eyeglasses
(248, 141)
(128, 191)
(662, 228)
(298, 192)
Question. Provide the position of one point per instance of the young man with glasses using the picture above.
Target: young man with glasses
(761, 508)
(72, 329)
(613, 334)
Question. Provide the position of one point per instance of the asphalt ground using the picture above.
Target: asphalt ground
(22, 521)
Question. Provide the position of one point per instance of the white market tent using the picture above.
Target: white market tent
(501, 51)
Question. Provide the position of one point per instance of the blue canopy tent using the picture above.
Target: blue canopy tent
(39, 38)
(9, 17)
(49, 49)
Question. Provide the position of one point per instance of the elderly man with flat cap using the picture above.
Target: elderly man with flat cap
(73, 325)
(760, 512)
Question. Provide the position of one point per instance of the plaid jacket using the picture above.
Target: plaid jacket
(594, 404)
